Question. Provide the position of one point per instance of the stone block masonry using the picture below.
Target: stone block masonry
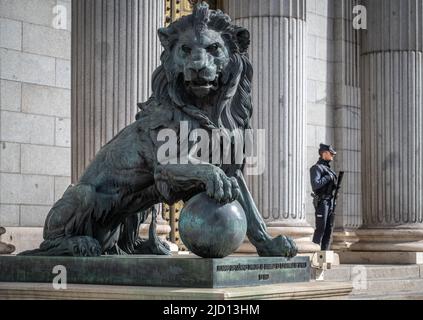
(35, 157)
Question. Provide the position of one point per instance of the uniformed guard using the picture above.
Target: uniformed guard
(323, 182)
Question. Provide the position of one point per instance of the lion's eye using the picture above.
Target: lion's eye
(186, 49)
(213, 48)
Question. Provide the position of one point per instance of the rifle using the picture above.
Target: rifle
(338, 186)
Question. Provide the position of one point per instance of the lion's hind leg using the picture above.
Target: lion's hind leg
(68, 227)
(80, 246)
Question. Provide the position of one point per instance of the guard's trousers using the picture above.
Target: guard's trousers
(324, 224)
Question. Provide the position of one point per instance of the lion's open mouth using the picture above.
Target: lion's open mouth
(202, 87)
(203, 83)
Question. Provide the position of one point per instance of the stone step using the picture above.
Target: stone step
(408, 295)
(389, 287)
(398, 296)
(380, 282)
(374, 272)
(286, 291)
(409, 289)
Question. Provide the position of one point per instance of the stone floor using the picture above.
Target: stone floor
(397, 282)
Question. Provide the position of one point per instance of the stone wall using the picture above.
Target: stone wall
(34, 108)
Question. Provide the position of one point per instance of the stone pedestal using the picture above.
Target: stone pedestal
(183, 271)
(277, 52)
(392, 127)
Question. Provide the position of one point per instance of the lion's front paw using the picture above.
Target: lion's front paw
(281, 246)
(222, 188)
(291, 249)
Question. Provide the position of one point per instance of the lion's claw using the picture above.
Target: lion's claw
(221, 187)
(84, 246)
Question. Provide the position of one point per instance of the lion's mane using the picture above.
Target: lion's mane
(234, 105)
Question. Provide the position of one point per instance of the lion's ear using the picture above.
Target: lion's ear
(164, 36)
(243, 37)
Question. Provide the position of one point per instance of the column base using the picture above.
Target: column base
(23, 238)
(398, 245)
(302, 235)
(4, 247)
(389, 240)
(380, 257)
(162, 228)
(343, 239)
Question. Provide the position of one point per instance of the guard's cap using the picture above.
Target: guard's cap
(326, 147)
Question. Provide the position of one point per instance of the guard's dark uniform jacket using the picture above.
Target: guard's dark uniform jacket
(323, 182)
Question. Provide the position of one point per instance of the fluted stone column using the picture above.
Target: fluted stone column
(392, 127)
(277, 52)
(347, 115)
(115, 50)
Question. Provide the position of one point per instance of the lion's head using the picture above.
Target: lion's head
(205, 64)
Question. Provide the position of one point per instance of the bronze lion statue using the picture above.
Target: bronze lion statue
(204, 80)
